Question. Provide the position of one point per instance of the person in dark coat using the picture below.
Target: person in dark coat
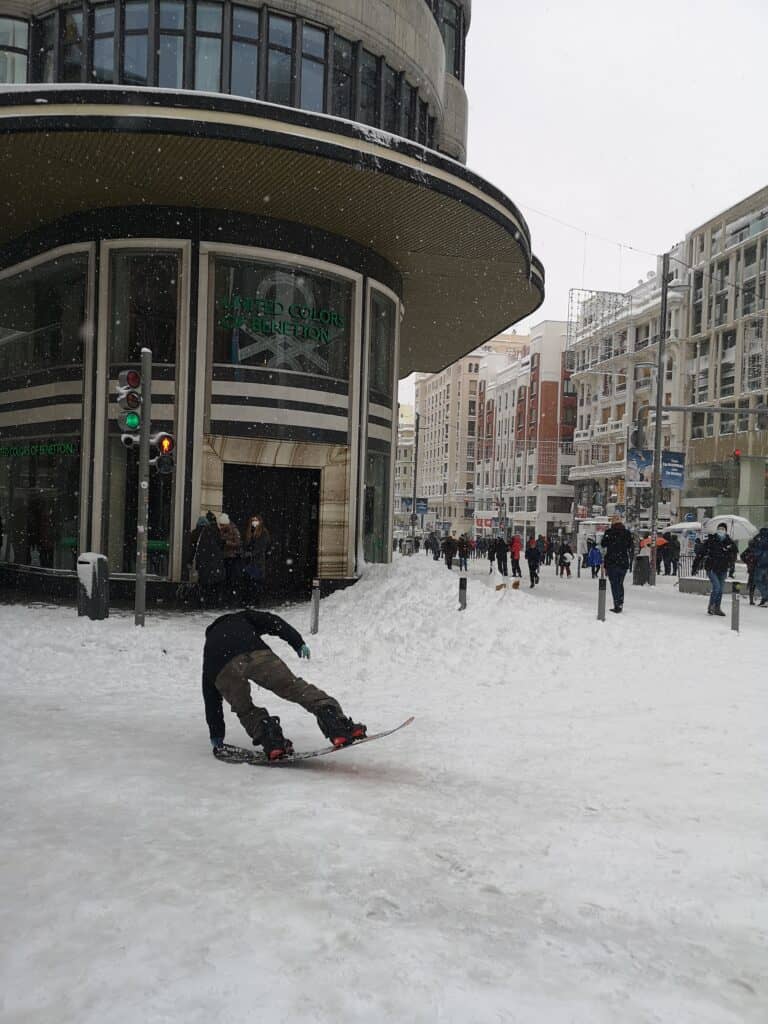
(449, 550)
(673, 546)
(618, 544)
(719, 553)
(234, 654)
(759, 545)
(463, 549)
(501, 550)
(533, 558)
(749, 558)
(208, 560)
(515, 550)
(256, 545)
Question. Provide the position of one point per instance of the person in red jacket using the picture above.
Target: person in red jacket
(515, 550)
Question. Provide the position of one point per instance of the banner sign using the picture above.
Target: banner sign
(422, 506)
(406, 504)
(673, 470)
(639, 467)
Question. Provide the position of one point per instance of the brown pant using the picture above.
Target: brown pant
(270, 672)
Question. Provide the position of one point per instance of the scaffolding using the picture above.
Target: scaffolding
(593, 316)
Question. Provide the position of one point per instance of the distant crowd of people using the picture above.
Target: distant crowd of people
(615, 555)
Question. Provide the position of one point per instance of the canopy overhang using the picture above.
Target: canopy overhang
(461, 247)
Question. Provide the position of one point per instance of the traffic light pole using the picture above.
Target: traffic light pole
(415, 472)
(143, 502)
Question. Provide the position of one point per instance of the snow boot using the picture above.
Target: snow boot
(341, 731)
(276, 746)
(717, 610)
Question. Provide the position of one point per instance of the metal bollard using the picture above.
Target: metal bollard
(735, 607)
(462, 593)
(314, 618)
(601, 599)
(578, 567)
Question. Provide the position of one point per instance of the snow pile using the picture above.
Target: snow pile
(572, 830)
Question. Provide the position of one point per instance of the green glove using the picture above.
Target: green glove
(304, 652)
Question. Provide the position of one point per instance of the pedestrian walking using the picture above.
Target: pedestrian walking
(256, 546)
(501, 550)
(234, 654)
(760, 547)
(462, 547)
(515, 550)
(618, 544)
(719, 553)
(232, 552)
(450, 548)
(533, 558)
(208, 560)
(564, 560)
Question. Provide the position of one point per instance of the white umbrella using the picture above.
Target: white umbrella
(682, 527)
(738, 527)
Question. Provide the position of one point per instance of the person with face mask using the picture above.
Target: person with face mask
(719, 553)
(256, 543)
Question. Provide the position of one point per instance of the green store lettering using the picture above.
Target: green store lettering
(267, 317)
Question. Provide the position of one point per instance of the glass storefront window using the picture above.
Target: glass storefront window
(39, 501)
(342, 77)
(382, 347)
(281, 316)
(313, 69)
(376, 507)
(143, 306)
(42, 314)
(42, 318)
(143, 311)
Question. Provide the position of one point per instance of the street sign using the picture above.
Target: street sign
(422, 506)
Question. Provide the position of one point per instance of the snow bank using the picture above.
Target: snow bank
(573, 829)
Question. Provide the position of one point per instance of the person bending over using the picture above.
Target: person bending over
(234, 655)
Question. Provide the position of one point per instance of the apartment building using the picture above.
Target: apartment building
(726, 363)
(404, 464)
(447, 406)
(613, 351)
(525, 448)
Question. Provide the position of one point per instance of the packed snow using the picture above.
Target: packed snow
(572, 830)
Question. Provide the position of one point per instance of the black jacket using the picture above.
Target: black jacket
(533, 557)
(225, 638)
(208, 554)
(617, 541)
(719, 555)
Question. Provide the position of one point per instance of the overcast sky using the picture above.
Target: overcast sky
(631, 121)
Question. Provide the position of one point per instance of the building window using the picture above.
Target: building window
(72, 46)
(170, 58)
(208, 47)
(313, 69)
(391, 100)
(343, 55)
(143, 305)
(369, 88)
(410, 104)
(14, 44)
(244, 71)
(451, 31)
(45, 32)
(103, 43)
(136, 42)
(279, 61)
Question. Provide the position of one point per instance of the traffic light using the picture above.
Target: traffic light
(129, 403)
(737, 456)
(165, 460)
(637, 438)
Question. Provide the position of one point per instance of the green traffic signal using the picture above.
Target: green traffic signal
(132, 420)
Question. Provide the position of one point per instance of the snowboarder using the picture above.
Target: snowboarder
(235, 653)
(719, 553)
(618, 544)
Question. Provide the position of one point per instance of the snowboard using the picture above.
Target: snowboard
(230, 754)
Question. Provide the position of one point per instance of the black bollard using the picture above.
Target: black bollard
(462, 593)
(315, 609)
(735, 607)
(601, 599)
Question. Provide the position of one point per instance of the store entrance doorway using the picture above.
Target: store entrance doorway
(288, 501)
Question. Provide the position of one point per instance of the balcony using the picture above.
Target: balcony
(582, 435)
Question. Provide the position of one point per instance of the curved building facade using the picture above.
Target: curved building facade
(271, 198)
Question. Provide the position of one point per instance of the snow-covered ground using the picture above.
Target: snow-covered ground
(572, 830)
